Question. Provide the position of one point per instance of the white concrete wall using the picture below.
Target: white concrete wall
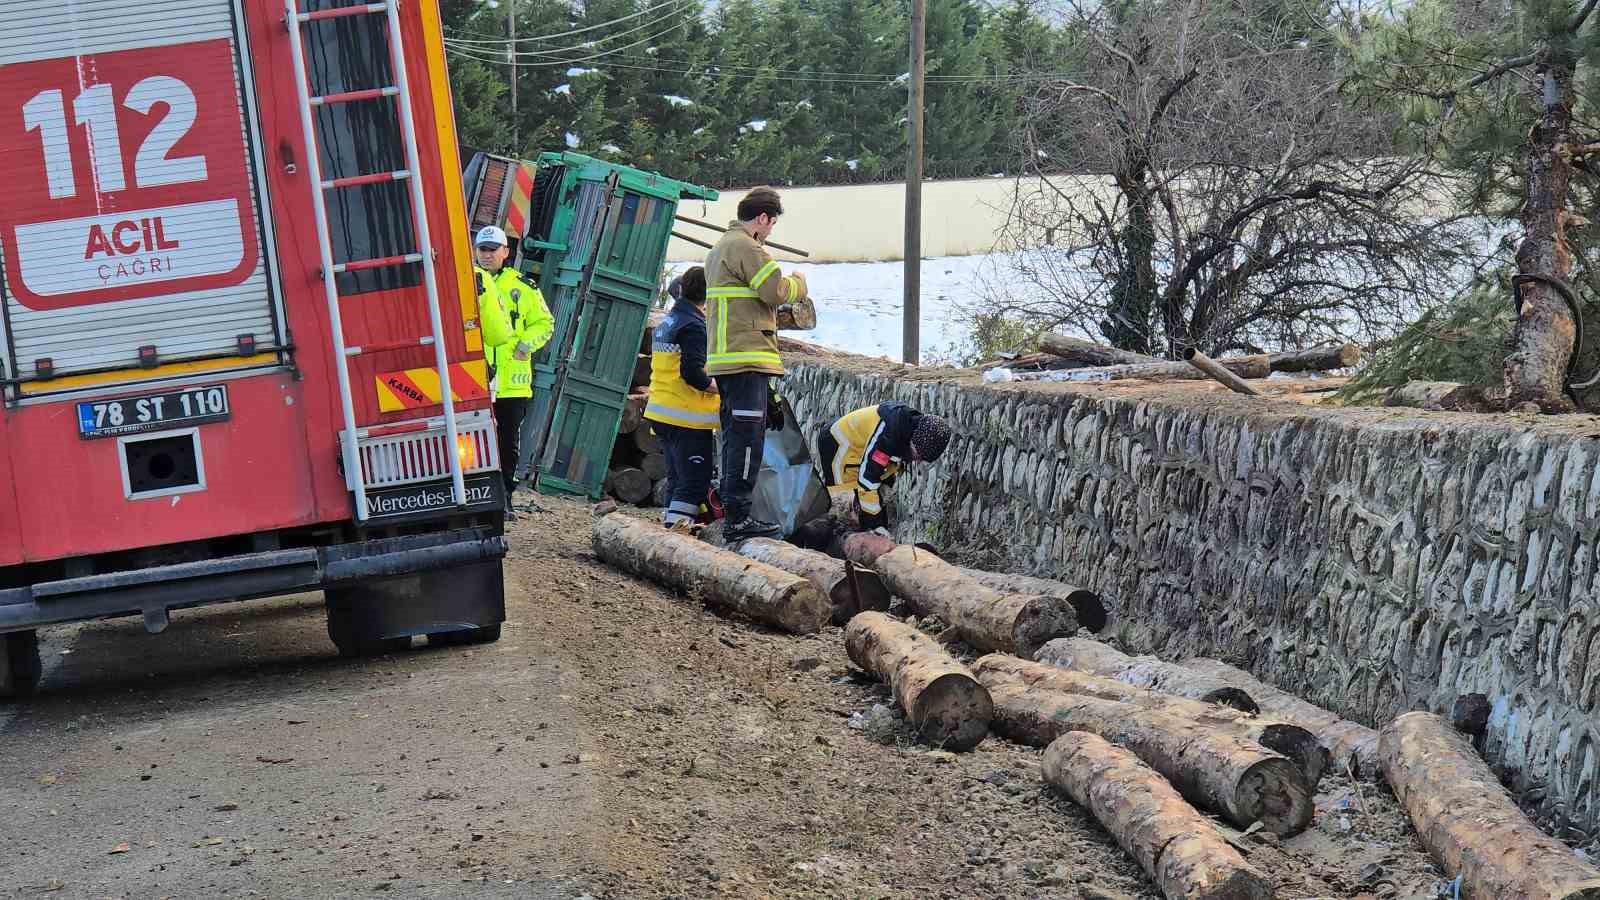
(863, 223)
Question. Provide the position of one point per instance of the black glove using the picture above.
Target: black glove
(774, 411)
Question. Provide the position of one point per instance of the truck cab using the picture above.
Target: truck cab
(238, 323)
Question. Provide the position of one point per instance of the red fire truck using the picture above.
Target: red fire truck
(240, 347)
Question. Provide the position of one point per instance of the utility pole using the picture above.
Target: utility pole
(912, 310)
(511, 74)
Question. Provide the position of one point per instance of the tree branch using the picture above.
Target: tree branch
(1583, 14)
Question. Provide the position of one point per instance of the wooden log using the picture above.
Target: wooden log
(1296, 743)
(985, 619)
(647, 340)
(1317, 359)
(1220, 373)
(721, 578)
(1353, 747)
(1089, 606)
(1447, 395)
(1174, 844)
(644, 439)
(641, 372)
(849, 588)
(627, 484)
(1082, 353)
(863, 548)
(654, 466)
(658, 493)
(1470, 714)
(1468, 821)
(633, 411)
(1235, 778)
(1096, 658)
(945, 704)
(1161, 370)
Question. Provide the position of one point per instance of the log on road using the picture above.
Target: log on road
(1174, 844)
(654, 466)
(628, 484)
(945, 704)
(1353, 747)
(849, 588)
(1468, 821)
(1235, 778)
(1089, 606)
(633, 411)
(1298, 744)
(1096, 658)
(985, 619)
(1447, 395)
(1316, 359)
(644, 439)
(719, 577)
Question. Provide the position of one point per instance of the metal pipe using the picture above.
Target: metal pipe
(693, 240)
(1211, 367)
(773, 244)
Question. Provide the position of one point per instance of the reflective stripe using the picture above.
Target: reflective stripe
(763, 273)
(753, 356)
(681, 415)
(839, 454)
(866, 457)
(722, 328)
(732, 290)
(794, 289)
(870, 507)
(684, 506)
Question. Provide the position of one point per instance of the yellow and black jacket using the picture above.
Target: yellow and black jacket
(744, 289)
(863, 451)
(679, 385)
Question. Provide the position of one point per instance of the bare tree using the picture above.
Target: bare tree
(1202, 181)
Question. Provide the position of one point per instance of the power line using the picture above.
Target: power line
(706, 70)
(562, 34)
(508, 55)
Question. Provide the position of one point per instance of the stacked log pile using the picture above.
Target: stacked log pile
(638, 470)
(1148, 747)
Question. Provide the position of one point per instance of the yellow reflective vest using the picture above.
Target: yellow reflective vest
(678, 379)
(744, 289)
(519, 309)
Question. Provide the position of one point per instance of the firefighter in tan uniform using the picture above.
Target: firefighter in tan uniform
(744, 291)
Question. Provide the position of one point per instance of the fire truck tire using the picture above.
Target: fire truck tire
(488, 634)
(350, 631)
(20, 672)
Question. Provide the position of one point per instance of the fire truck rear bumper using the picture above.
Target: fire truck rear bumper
(155, 591)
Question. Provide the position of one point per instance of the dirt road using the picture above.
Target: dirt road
(618, 742)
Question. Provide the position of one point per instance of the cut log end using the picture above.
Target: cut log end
(953, 712)
(1090, 609)
(1040, 622)
(1274, 792)
(1470, 714)
(1300, 746)
(1233, 698)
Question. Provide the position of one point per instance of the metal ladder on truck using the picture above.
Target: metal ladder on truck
(294, 19)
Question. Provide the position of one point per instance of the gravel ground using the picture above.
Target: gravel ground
(619, 742)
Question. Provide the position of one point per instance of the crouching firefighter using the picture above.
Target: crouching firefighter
(744, 291)
(515, 324)
(683, 407)
(865, 449)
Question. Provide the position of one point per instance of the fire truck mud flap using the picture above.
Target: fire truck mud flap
(432, 561)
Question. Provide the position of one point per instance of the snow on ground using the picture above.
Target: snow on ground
(859, 304)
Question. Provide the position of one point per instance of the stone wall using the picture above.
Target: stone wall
(1370, 560)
